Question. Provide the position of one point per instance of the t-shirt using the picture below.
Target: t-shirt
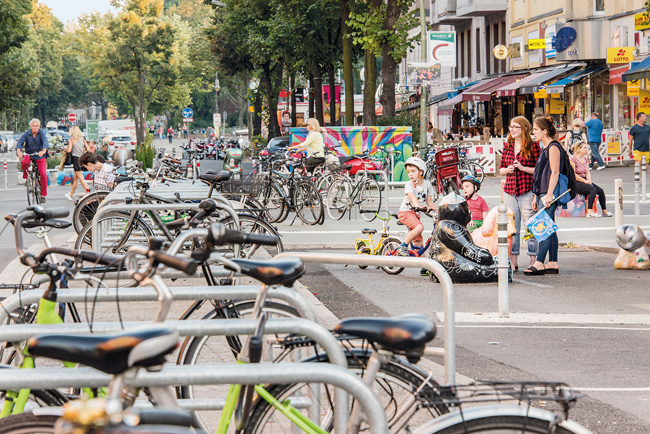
(641, 136)
(104, 178)
(594, 130)
(477, 206)
(421, 193)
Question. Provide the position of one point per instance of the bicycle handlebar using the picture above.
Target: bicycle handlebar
(187, 266)
(33, 213)
(424, 210)
(97, 258)
(218, 234)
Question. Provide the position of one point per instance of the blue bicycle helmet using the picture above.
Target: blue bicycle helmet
(474, 180)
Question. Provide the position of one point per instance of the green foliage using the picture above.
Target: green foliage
(258, 143)
(405, 119)
(54, 161)
(145, 154)
(13, 24)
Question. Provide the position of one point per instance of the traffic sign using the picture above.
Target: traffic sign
(188, 112)
(188, 119)
(72, 117)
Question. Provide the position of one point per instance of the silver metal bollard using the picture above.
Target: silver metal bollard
(503, 266)
(618, 202)
(637, 192)
(6, 182)
(644, 170)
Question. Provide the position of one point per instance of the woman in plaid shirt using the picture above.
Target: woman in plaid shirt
(518, 161)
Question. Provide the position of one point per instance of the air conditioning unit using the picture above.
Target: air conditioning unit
(458, 82)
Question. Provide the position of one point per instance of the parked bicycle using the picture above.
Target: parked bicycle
(345, 193)
(365, 246)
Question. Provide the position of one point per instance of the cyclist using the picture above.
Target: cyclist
(35, 142)
(479, 209)
(416, 192)
(313, 144)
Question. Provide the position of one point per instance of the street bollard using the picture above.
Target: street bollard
(618, 202)
(637, 192)
(644, 170)
(6, 182)
(504, 265)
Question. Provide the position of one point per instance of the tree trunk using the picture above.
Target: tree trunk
(311, 94)
(272, 79)
(292, 88)
(332, 82)
(389, 66)
(348, 72)
(318, 93)
(369, 88)
(257, 119)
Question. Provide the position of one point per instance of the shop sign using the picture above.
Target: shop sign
(582, 40)
(613, 141)
(644, 101)
(536, 44)
(549, 46)
(616, 74)
(564, 39)
(620, 54)
(557, 107)
(641, 21)
(501, 52)
(541, 93)
(633, 87)
(647, 83)
(441, 48)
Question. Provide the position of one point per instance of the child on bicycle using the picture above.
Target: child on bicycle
(477, 205)
(103, 177)
(418, 193)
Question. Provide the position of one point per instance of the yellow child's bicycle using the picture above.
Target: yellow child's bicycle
(365, 246)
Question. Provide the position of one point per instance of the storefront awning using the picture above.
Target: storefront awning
(484, 90)
(638, 71)
(616, 73)
(558, 86)
(448, 108)
(438, 98)
(512, 88)
(534, 85)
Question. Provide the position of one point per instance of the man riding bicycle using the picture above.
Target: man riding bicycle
(35, 141)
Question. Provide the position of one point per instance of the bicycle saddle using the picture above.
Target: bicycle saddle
(368, 231)
(273, 272)
(112, 354)
(398, 333)
(51, 223)
(215, 178)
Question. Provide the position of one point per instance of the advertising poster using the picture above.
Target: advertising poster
(418, 73)
(441, 48)
(613, 143)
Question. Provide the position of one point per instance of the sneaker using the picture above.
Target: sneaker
(403, 250)
(601, 168)
(43, 199)
(591, 168)
(67, 196)
(424, 272)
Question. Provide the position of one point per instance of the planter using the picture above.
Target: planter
(21, 181)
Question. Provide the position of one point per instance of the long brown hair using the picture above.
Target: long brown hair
(526, 142)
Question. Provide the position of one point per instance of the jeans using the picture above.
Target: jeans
(42, 169)
(551, 244)
(595, 155)
(170, 138)
(522, 207)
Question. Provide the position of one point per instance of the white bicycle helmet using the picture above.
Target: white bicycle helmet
(417, 162)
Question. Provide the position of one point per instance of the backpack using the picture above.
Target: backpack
(567, 180)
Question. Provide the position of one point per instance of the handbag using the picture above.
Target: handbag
(68, 158)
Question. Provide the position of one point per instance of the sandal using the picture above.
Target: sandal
(552, 271)
(592, 215)
(607, 214)
(532, 271)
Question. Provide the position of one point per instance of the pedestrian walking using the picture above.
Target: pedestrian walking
(584, 186)
(640, 139)
(576, 135)
(594, 137)
(160, 132)
(545, 179)
(170, 134)
(185, 135)
(76, 147)
(518, 162)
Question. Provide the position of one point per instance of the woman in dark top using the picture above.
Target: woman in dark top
(545, 179)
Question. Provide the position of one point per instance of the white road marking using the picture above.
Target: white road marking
(543, 320)
(605, 228)
(611, 389)
(526, 282)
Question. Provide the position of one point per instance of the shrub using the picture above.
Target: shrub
(146, 152)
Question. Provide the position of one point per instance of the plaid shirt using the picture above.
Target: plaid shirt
(104, 178)
(518, 182)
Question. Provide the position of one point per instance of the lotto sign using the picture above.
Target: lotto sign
(620, 54)
(72, 117)
(641, 21)
(644, 101)
(633, 87)
(441, 48)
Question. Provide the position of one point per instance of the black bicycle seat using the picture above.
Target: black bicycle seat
(112, 354)
(273, 272)
(120, 178)
(399, 333)
(216, 178)
(368, 231)
(52, 223)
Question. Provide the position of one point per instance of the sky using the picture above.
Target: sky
(66, 10)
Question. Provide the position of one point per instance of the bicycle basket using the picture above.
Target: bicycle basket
(332, 162)
(447, 157)
(250, 184)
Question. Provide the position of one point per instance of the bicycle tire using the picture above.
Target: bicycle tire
(509, 424)
(28, 423)
(207, 349)
(370, 197)
(85, 209)
(114, 222)
(33, 191)
(397, 373)
(338, 198)
(390, 245)
(476, 170)
(273, 202)
(308, 203)
(252, 224)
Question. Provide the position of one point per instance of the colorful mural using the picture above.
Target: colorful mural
(64, 177)
(355, 140)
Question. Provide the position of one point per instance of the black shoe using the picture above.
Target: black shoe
(43, 199)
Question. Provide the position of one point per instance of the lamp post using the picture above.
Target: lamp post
(423, 89)
(218, 4)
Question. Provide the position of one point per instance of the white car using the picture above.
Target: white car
(8, 142)
(119, 139)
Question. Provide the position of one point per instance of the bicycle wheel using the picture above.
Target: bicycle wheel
(33, 190)
(398, 385)
(308, 203)
(273, 203)
(370, 197)
(85, 209)
(390, 247)
(203, 350)
(476, 170)
(252, 224)
(116, 235)
(338, 199)
(28, 423)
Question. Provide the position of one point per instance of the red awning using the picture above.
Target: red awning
(448, 108)
(616, 73)
(512, 88)
(483, 91)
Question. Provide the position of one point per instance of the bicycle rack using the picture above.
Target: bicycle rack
(383, 174)
(449, 351)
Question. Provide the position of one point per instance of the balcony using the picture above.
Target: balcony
(479, 8)
(445, 12)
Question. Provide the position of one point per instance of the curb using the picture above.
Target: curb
(592, 248)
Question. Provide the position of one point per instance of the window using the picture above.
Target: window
(599, 7)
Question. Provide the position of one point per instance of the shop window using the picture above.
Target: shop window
(625, 114)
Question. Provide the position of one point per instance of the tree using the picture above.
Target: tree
(14, 25)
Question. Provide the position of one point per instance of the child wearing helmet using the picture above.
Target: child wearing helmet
(471, 185)
(418, 193)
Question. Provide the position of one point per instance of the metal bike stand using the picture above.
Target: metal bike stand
(171, 375)
(449, 351)
(147, 293)
(383, 174)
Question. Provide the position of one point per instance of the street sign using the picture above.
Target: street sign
(72, 117)
(93, 130)
(188, 120)
(188, 112)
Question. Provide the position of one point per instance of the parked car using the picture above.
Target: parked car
(278, 144)
(119, 139)
(8, 141)
(64, 135)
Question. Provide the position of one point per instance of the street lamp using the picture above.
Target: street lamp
(218, 4)
(423, 89)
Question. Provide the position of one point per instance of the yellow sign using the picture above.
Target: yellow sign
(633, 87)
(641, 21)
(647, 83)
(541, 93)
(536, 44)
(613, 143)
(644, 101)
(557, 107)
(620, 54)
(501, 52)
